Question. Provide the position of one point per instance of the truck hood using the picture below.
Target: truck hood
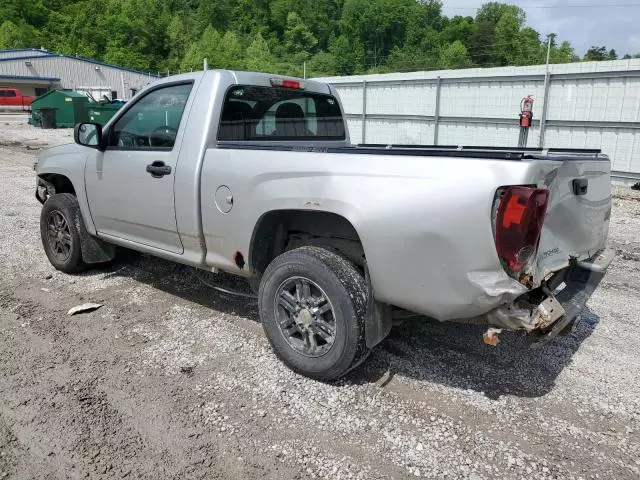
(48, 158)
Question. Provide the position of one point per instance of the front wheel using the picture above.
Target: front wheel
(59, 229)
(313, 304)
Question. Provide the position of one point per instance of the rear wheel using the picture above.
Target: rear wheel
(313, 304)
(59, 231)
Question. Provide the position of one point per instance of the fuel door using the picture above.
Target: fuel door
(224, 199)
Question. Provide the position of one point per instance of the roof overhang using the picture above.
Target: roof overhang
(28, 80)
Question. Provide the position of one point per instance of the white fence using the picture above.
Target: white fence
(587, 105)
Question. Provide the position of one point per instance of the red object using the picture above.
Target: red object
(12, 97)
(284, 83)
(526, 111)
(291, 84)
(519, 222)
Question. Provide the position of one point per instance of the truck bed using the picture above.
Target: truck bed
(495, 153)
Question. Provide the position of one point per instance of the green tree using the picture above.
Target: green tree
(322, 64)
(497, 26)
(455, 55)
(331, 36)
(348, 58)
(180, 35)
(376, 26)
(457, 28)
(221, 51)
(258, 56)
(11, 35)
(297, 36)
(563, 54)
(596, 53)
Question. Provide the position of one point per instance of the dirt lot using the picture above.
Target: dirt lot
(170, 380)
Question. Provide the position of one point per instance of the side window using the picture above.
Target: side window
(153, 121)
(11, 93)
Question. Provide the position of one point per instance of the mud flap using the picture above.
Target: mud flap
(377, 324)
(93, 249)
(378, 319)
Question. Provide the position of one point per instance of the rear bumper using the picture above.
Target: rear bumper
(554, 306)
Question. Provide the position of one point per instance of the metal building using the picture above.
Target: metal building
(36, 71)
(577, 105)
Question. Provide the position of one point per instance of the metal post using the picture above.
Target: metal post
(543, 117)
(436, 116)
(205, 64)
(547, 81)
(364, 111)
(304, 69)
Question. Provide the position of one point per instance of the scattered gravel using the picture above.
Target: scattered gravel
(170, 379)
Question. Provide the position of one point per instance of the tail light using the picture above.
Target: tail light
(518, 224)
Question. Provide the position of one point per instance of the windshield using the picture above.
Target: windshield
(268, 113)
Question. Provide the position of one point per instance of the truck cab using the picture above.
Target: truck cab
(12, 99)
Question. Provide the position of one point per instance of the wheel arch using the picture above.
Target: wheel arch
(57, 183)
(279, 230)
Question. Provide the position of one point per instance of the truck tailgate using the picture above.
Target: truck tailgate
(577, 221)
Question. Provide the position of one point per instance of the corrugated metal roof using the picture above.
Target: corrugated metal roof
(36, 53)
(18, 52)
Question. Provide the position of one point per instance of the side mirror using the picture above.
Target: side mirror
(89, 135)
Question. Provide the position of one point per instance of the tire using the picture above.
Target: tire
(61, 227)
(319, 339)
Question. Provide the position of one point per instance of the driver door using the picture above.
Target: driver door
(130, 186)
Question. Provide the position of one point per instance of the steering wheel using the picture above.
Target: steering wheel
(126, 139)
(163, 136)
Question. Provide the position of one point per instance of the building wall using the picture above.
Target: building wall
(75, 72)
(590, 105)
(27, 90)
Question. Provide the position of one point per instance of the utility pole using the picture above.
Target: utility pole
(545, 98)
(304, 70)
(548, 52)
(205, 64)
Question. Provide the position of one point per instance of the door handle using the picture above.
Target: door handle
(158, 169)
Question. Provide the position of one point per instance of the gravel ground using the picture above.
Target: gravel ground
(171, 380)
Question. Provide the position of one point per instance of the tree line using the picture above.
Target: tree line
(325, 37)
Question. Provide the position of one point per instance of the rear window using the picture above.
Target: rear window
(271, 113)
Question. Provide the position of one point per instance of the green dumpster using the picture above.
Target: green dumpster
(69, 106)
(101, 112)
(47, 117)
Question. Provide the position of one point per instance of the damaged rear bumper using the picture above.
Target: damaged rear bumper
(558, 302)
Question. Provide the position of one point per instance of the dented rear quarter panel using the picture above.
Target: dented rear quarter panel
(425, 222)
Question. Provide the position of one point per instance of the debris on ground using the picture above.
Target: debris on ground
(491, 336)
(84, 308)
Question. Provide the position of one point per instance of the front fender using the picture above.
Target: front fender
(68, 161)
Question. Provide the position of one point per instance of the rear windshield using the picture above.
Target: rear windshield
(270, 113)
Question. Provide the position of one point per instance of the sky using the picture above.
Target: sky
(612, 23)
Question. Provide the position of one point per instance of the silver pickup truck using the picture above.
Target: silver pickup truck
(254, 174)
